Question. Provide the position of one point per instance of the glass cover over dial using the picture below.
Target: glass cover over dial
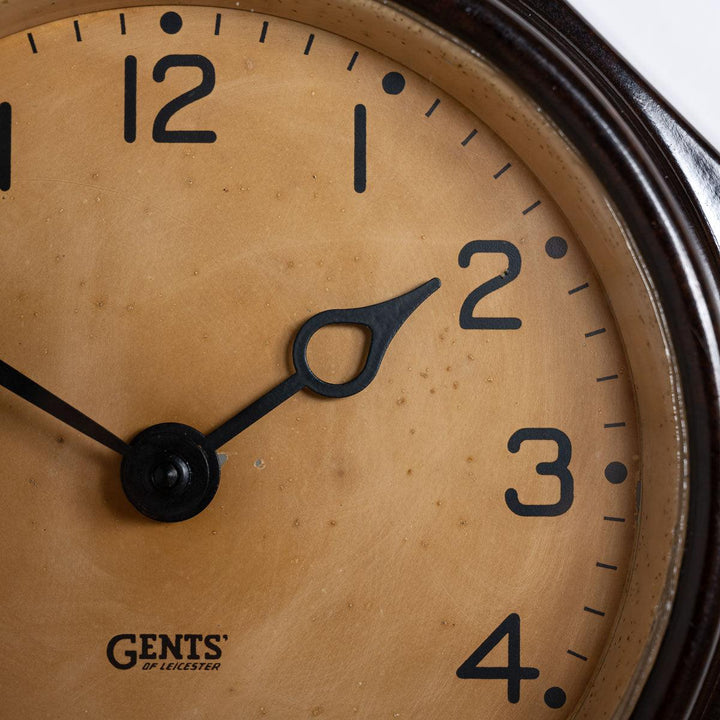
(488, 529)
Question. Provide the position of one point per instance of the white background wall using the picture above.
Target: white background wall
(675, 44)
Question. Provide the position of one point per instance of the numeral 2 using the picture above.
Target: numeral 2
(160, 132)
(467, 320)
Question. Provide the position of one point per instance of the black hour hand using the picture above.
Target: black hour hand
(383, 320)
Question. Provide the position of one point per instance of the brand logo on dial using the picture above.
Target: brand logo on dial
(187, 652)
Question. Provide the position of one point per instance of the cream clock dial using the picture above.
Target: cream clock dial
(349, 391)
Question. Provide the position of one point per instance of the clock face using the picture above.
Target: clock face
(489, 527)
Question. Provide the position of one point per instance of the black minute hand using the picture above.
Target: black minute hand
(383, 320)
(29, 390)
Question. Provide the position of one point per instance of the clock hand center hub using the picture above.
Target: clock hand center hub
(170, 473)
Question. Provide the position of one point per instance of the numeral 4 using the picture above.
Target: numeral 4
(513, 672)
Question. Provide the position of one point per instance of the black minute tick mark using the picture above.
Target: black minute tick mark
(605, 566)
(263, 32)
(218, 21)
(351, 65)
(502, 170)
(309, 44)
(584, 286)
(433, 107)
(78, 35)
(577, 655)
(593, 333)
(123, 29)
(469, 138)
(528, 210)
(31, 39)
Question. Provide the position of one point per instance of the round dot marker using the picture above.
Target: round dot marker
(393, 83)
(556, 247)
(171, 23)
(616, 473)
(555, 697)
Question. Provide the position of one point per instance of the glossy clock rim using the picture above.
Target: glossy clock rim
(627, 160)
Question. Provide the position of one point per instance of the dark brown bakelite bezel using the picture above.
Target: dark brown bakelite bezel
(601, 105)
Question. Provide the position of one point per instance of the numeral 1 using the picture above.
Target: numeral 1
(360, 160)
(5, 145)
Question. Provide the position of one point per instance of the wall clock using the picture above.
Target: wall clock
(358, 360)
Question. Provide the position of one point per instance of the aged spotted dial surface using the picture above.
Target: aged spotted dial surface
(182, 189)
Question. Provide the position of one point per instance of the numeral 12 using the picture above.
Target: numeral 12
(160, 132)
